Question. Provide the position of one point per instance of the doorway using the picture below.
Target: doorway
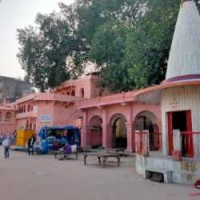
(147, 121)
(95, 133)
(119, 132)
(181, 120)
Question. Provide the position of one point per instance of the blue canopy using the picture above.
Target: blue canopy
(44, 131)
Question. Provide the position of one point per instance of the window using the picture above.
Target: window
(8, 116)
(73, 92)
(82, 92)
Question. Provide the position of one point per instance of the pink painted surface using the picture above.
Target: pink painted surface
(7, 120)
(78, 102)
(86, 83)
(49, 109)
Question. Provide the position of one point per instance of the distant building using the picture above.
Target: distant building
(12, 89)
(7, 119)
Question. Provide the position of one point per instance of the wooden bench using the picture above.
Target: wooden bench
(116, 150)
(166, 173)
(102, 157)
(61, 155)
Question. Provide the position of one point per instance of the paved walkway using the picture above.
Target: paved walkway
(24, 177)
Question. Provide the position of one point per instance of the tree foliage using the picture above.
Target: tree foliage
(44, 50)
(148, 44)
(128, 39)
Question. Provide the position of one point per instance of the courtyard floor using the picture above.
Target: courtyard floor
(42, 177)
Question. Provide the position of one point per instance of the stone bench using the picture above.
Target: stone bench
(166, 174)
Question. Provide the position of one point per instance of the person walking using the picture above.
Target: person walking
(31, 142)
(6, 144)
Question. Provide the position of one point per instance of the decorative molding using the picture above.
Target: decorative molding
(182, 78)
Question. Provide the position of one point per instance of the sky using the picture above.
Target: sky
(16, 14)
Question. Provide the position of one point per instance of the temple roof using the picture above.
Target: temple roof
(184, 58)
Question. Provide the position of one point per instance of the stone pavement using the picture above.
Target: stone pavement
(41, 177)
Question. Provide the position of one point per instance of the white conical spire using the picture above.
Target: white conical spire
(184, 58)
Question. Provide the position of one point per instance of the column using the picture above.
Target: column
(106, 139)
(130, 137)
(84, 130)
(107, 135)
(129, 128)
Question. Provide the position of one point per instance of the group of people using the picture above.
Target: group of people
(8, 141)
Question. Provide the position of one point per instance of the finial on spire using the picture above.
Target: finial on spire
(182, 1)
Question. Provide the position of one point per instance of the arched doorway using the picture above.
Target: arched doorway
(119, 132)
(95, 133)
(147, 121)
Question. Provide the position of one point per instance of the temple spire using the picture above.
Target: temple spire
(184, 58)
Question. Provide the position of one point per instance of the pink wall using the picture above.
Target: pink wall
(45, 113)
(59, 108)
(7, 128)
(7, 120)
(129, 110)
(65, 114)
(87, 83)
(48, 110)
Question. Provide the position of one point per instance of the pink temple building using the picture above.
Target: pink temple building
(160, 123)
(105, 119)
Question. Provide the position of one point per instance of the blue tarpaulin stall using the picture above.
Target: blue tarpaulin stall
(61, 134)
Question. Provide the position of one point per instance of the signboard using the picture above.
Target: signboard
(45, 118)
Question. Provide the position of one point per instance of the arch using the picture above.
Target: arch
(147, 120)
(95, 131)
(82, 92)
(119, 131)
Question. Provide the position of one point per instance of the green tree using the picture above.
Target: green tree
(129, 39)
(44, 50)
(108, 43)
(31, 57)
(148, 44)
(142, 60)
(104, 26)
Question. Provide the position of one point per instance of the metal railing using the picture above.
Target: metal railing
(190, 144)
(155, 141)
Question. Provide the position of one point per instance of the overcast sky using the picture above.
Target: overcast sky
(18, 14)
